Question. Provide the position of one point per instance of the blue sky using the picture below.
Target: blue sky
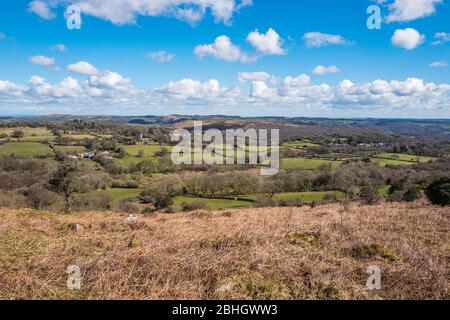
(399, 71)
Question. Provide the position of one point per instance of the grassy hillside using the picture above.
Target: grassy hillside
(273, 253)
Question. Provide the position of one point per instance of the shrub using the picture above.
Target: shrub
(130, 184)
(375, 250)
(330, 197)
(148, 211)
(438, 192)
(193, 206)
(12, 201)
(411, 194)
(92, 201)
(17, 134)
(161, 192)
(266, 201)
(40, 198)
(396, 196)
(162, 153)
(291, 203)
(369, 194)
(130, 207)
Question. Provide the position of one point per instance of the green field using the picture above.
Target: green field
(385, 162)
(302, 143)
(26, 150)
(308, 197)
(31, 134)
(128, 161)
(305, 197)
(70, 149)
(306, 164)
(79, 136)
(122, 193)
(149, 150)
(213, 204)
(405, 157)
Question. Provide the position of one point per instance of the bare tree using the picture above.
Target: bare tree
(17, 134)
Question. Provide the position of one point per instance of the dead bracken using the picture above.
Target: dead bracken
(264, 253)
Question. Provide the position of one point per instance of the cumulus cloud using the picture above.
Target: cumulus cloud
(94, 90)
(160, 56)
(42, 60)
(440, 38)
(408, 38)
(439, 64)
(9, 89)
(109, 91)
(319, 39)
(110, 80)
(189, 88)
(82, 67)
(322, 70)
(223, 49)
(42, 9)
(268, 43)
(408, 10)
(412, 93)
(122, 12)
(253, 76)
(59, 47)
(67, 88)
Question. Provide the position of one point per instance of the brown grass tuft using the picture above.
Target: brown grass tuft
(300, 253)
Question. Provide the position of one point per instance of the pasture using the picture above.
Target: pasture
(30, 134)
(405, 157)
(148, 150)
(213, 204)
(306, 164)
(70, 149)
(26, 150)
(300, 143)
(121, 193)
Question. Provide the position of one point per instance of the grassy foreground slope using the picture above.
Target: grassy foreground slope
(279, 253)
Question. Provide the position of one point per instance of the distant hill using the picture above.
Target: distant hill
(289, 127)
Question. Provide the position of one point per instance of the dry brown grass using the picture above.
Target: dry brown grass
(282, 253)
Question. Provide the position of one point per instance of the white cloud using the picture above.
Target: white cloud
(10, 89)
(408, 38)
(223, 49)
(253, 76)
(322, 70)
(319, 39)
(188, 88)
(439, 64)
(42, 9)
(110, 92)
(269, 43)
(408, 10)
(42, 60)
(67, 88)
(82, 67)
(122, 12)
(59, 47)
(412, 94)
(110, 80)
(262, 91)
(2, 36)
(440, 38)
(160, 56)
